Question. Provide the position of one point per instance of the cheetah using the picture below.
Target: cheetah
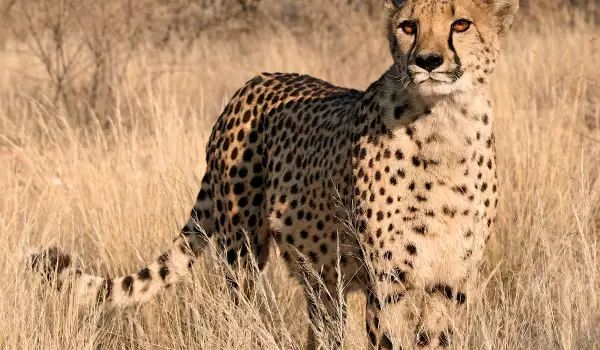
(413, 156)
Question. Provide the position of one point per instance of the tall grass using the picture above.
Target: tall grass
(117, 195)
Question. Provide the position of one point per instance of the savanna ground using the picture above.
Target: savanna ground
(103, 124)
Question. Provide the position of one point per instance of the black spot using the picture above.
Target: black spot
(163, 272)
(387, 255)
(416, 161)
(386, 343)
(248, 153)
(420, 229)
(421, 198)
(256, 182)
(244, 250)
(289, 239)
(448, 292)
(238, 188)
(144, 274)
(50, 262)
(444, 340)
(443, 289)
(235, 219)
(253, 137)
(398, 276)
(246, 116)
(231, 256)
(398, 112)
(412, 250)
(372, 300)
(288, 221)
(127, 285)
(423, 338)
(258, 199)
(372, 338)
(394, 298)
(240, 136)
(287, 176)
(163, 258)
(461, 298)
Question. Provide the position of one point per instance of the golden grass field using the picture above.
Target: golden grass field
(116, 195)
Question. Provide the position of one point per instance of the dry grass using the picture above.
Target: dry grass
(118, 195)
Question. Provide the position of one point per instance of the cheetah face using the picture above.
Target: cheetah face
(444, 47)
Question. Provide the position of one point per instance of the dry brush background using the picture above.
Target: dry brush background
(105, 108)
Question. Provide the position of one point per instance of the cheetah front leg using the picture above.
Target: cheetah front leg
(429, 318)
(377, 339)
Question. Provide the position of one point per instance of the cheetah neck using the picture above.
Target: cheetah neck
(401, 104)
(443, 129)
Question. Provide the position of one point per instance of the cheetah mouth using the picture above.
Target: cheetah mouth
(437, 77)
(421, 76)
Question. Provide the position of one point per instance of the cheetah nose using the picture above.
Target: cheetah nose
(430, 62)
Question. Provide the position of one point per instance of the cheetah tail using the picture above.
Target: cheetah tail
(125, 291)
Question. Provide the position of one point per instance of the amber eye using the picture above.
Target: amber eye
(462, 25)
(409, 27)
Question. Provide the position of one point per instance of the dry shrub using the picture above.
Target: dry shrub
(86, 47)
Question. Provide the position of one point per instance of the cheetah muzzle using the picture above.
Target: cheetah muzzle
(413, 155)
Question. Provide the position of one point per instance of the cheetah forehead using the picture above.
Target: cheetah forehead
(430, 8)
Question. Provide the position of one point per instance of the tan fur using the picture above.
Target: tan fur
(414, 153)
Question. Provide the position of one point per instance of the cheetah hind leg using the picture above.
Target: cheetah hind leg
(244, 270)
(244, 242)
(327, 312)
(128, 291)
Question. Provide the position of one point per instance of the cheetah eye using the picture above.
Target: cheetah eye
(409, 27)
(462, 25)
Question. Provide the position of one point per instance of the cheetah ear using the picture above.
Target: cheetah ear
(504, 13)
(392, 5)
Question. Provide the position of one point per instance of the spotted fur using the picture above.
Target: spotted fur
(413, 157)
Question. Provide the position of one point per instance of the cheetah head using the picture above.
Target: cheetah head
(444, 47)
